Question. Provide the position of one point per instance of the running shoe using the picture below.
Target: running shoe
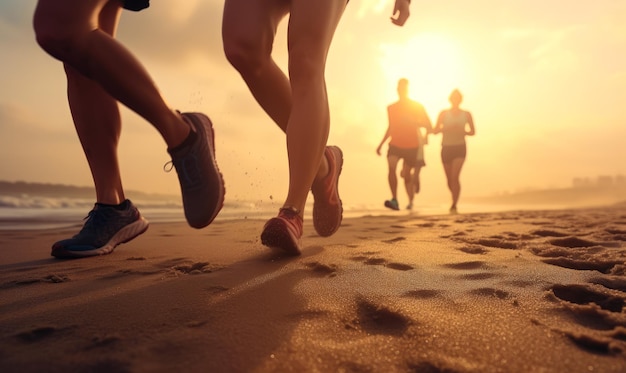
(327, 207)
(284, 231)
(105, 227)
(392, 204)
(201, 182)
(409, 206)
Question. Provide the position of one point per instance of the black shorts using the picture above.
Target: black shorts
(136, 5)
(409, 155)
(451, 152)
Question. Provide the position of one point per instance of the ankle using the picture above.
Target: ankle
(324, 169)
(179, 133)
(292, 210)
(188, 141)
(118, 206)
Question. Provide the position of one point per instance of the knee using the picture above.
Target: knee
(53, 37)
(454, 184)
(246, 55)
(305, 66)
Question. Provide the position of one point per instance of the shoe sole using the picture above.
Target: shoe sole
(276, 236)
(390, 206)
(124, 235)
(216, 174)
(319, 218)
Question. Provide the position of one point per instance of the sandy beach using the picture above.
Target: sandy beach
(521, 291)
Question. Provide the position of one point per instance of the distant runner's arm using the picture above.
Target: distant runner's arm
(439, 125)
(425, 121)
(470, 121)
(382, 141)
(400, 12)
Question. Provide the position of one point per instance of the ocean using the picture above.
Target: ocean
(25, 212)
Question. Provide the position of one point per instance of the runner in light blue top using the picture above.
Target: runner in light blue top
(454, 124)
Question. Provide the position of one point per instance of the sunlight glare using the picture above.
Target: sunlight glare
(432, 64)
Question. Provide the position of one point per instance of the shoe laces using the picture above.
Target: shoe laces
(292, 216)
(187, 168)
(93, 220)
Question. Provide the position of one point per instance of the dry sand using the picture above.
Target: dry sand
(533, 291)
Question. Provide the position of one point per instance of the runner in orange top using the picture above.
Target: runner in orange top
(406, 116)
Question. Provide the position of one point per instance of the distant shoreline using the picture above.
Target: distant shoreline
(20, 188)
(582, 196)
(573, 196)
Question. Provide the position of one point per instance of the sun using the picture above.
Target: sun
(431, 62)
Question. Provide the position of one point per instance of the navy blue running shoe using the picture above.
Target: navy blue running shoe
(105, 227)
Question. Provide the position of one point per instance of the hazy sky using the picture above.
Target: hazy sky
(544, 80)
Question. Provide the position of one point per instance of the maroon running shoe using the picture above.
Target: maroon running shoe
(327, 207)
(284, 231)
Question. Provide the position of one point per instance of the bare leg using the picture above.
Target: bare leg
(392, 178)
(416, 179)
(311, 28)
(98, 124)
(409, 184)
(71, 31)
(453, 172)
(248, 32)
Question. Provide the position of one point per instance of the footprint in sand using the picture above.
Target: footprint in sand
(53, 279)
(491, 292)
(137, 258)
(185, 266)
(548, 233)
(572, 242)
(216, 289)
(377, 319)
(497, 242)
(576, 253)
(423, 293)
(194, 268)
(102, 342)
(478, 276)
(323, 269)
(466, 265)
(394, 240)
(616, 234)
(397, 226)
(425, 225)
(367, 259)
(36, 334)
(399, 266)
(473, 249)
(610, 282)
(473, 265)
(599, 311)
(584, 295)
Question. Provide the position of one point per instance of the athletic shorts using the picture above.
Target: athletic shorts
(136, 5)
(451, 152)
(409, 155)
